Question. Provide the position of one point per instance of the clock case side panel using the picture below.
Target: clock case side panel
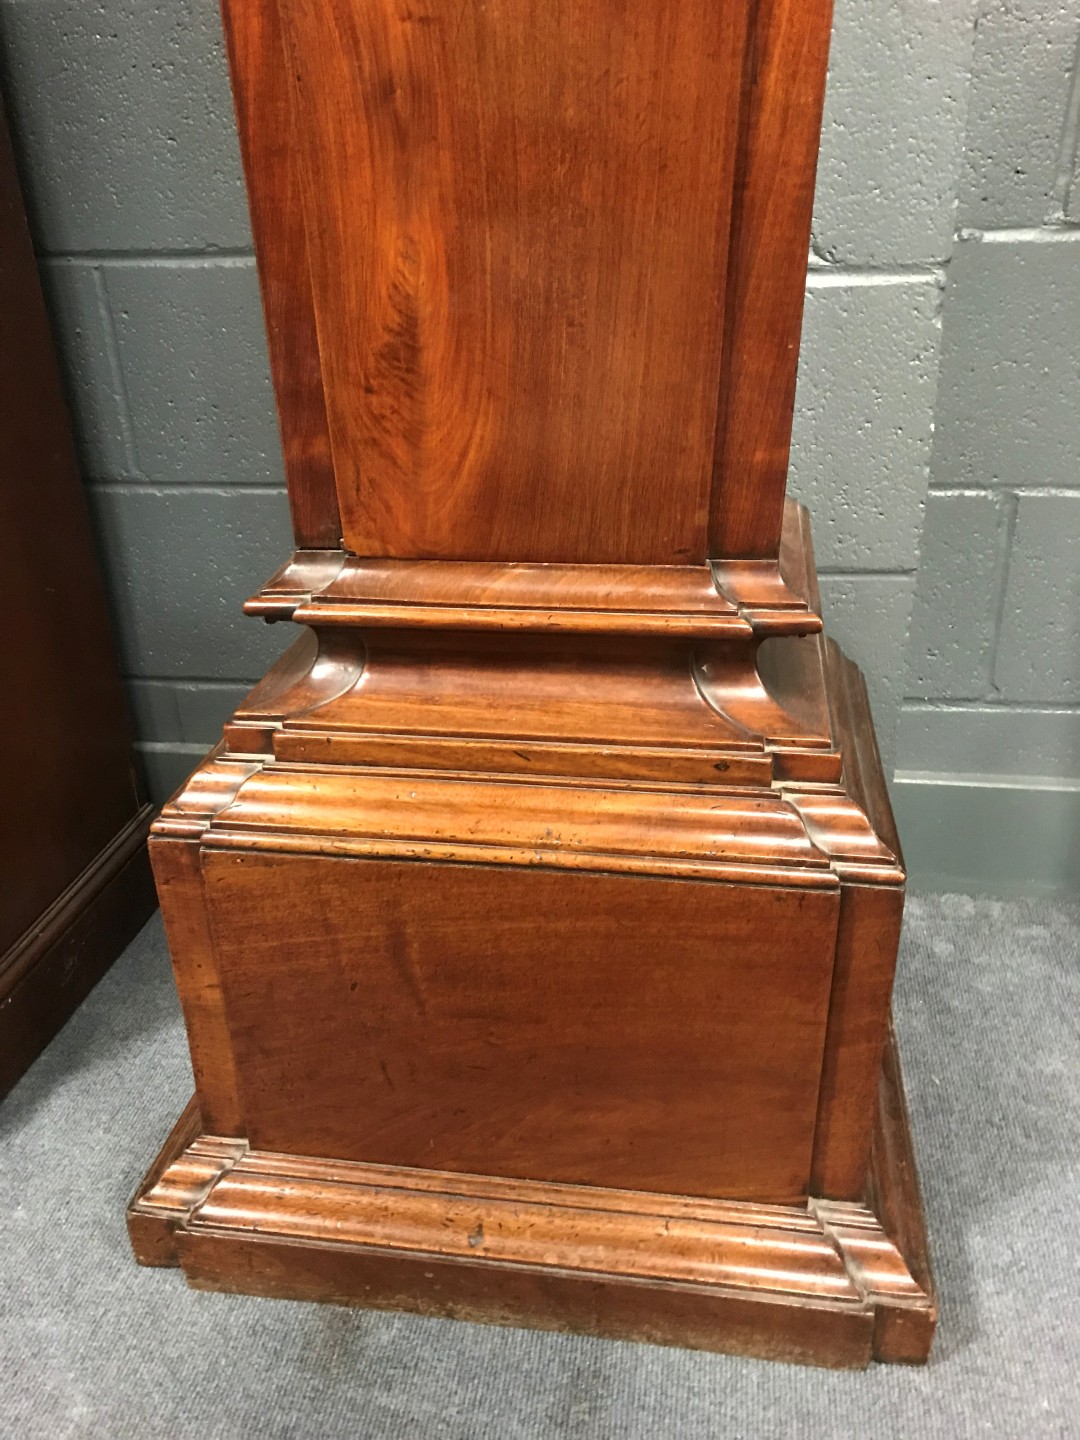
(76, 882)
(784, 94)
(262, 96)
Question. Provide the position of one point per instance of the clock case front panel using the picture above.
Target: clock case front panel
(533, 275)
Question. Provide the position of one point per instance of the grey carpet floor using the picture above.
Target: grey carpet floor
(987, 1009)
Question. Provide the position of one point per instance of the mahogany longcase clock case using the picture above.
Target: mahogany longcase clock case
(535, 919)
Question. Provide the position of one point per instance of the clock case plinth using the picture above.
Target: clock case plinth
(536, 959)
(535, 920)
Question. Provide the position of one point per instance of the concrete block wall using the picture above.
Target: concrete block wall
(892, 142)
(988, 780)
(124, 125)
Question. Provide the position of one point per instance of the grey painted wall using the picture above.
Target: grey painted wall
(989, 736)
(124, 125)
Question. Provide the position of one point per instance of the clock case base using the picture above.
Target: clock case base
(830, 1283)
(535, 930)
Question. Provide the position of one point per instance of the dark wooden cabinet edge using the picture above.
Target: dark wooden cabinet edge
(55, 964)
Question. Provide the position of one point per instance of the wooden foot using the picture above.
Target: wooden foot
(829, 1283)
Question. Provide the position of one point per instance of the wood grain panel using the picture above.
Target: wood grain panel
(518, 217)
(650, 1035)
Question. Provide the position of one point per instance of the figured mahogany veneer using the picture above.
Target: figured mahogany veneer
(535, 920)
(570, 330)
(490, 405)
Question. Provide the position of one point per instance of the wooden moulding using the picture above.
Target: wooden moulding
(603, 671)
(732, 600)
(828, 1283)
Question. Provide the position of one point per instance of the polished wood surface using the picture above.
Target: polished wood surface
(521, 357)
(65, 719)
(59, 959)
(421, 1017)
(273, 898)
(524, 906)
(73, 823)
(535, 920)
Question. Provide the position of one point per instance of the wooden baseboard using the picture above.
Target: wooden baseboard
(51, 969)
(830, 1283)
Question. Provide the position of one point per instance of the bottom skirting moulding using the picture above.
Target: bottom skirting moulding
(829, 1283)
